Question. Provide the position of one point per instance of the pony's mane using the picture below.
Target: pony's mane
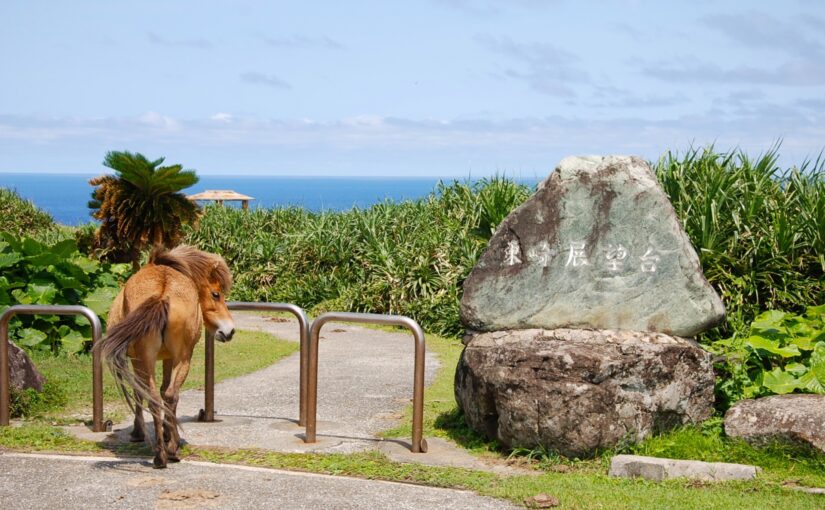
(198, 265)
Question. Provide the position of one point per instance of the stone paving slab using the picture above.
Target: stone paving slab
(66, 482)
(658, 469)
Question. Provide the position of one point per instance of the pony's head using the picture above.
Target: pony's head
(213, 280)
(212, 296)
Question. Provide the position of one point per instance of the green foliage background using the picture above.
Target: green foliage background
(759, 231)
(46, 274)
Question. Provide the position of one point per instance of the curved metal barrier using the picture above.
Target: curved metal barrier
(207, 414)
(97, 367)
(419, 444)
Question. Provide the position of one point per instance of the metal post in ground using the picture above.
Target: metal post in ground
(208, 412)
(419, 444)
(97, 365)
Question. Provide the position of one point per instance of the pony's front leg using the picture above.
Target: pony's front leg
(174, 376)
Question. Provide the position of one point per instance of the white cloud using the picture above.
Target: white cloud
(222, 117)
(156, 120)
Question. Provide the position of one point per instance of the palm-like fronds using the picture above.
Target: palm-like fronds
(140, 204)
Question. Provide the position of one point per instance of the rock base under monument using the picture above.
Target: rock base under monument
(577, 391)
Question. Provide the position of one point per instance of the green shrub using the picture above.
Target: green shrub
(30, 402)
(782, 353)
(36, 273)
(21, 217)
(758, 229)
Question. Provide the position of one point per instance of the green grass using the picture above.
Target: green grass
(706, 442)
(574, 489)
(19, 216)
(68, 391)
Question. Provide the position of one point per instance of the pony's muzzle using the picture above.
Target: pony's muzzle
(224, 336)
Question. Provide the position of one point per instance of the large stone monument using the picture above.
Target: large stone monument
(578, 314)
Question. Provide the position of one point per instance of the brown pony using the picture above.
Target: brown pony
(158, 315)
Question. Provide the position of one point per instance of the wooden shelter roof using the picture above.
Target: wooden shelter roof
(219, 194)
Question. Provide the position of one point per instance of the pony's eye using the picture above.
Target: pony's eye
(215, 295)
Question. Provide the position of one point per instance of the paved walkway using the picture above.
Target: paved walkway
(365, 381)
(65, 482)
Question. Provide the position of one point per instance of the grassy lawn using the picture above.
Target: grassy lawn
(577, 483)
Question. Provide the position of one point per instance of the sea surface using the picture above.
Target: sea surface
(66, 196)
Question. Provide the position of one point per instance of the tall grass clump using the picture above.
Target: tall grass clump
(405, 258)
(19, 216)
(758, 229)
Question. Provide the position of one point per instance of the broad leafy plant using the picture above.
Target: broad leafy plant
(782, 353)
(36, 273)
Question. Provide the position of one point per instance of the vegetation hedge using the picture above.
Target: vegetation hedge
(405, 258)
(21, 217)
(758, 230)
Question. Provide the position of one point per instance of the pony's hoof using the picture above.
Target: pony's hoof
(159, 463)
(137, 438)
(174, 458)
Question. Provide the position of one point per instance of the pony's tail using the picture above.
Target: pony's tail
(147, 319)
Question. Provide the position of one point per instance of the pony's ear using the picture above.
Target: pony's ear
(214, 271)
(221, 274)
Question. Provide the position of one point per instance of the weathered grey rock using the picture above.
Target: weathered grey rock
(23, 373)
(575, 391)
(799, 418)
(656, 469)
(598, 246)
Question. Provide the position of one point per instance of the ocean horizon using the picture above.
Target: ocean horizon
(66, 196)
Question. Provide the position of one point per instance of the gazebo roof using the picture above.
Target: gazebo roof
(219, 194)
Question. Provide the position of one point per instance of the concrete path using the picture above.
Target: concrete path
(53, 481)
(365, 379)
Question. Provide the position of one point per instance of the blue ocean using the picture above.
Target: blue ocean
(65, 196)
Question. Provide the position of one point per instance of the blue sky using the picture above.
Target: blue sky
(448, 88)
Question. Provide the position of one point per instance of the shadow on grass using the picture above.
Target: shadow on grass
(452, 423)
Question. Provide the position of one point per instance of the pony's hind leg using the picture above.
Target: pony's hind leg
(147, 377)
(174, 374)
(138, 434)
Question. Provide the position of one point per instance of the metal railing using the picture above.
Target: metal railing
(97, 367)
(419, 444)
(207, 414)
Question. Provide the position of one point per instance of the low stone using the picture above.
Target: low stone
(23, 373)
(542, 501)
(656, 469)
(598, 246)
(798, 418)
(576, 391)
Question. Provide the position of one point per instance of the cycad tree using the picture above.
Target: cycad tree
(140, 204)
